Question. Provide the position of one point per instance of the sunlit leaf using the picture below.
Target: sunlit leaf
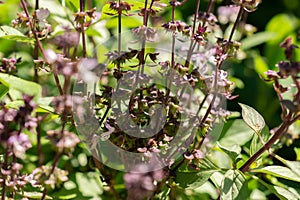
(270, 187)
(70, 196)
(23, 86)
(252, 118)
(3, 90)
(88, 180)
(235, 132)
(286, 193)
(11, 33)
(260, 64)
(234, 152)
(279, 171)
(282, 25)
(257, 39)
(234, 186)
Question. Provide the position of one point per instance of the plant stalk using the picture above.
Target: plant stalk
(39, 44)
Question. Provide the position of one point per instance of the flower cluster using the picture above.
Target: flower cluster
(178, 26)
(15, 142)
(81, 17)
(41, 27)
(12, 121)
(49, 177)
(64, 141)
(248, 5)
(8, 65)
(141, 185)
(143, 32)
(120, 8)
(210, 18)
(288, 68)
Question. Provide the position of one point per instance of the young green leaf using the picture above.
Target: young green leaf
(234, 152)
(234, 186)
(252, 118)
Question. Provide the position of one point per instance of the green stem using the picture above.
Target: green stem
(279, 132)
(236, 23)
(82, 3)
(172, 58)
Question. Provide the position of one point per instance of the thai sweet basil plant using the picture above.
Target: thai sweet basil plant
(128, 100)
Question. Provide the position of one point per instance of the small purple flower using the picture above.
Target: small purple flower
(20, 143)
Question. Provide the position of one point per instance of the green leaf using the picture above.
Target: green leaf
(56, 7)
(131, 22)
(21, 85)
(293, 165)
(286, 193)
(87, 185)
(257, 39)
(70, 196)
(234, 186)
(297, 151)
(11, 33)
(279, 171)
(258, 194)
(73, 5)
(256, 143)
(35, 195)
(234, 152)
(260, 64)
(44, 105)
(192, 180)
(15, 104)
(283, 25)
(252, 118)
(136, 5)
(235, 132)
(3, 90)
(270, 187)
